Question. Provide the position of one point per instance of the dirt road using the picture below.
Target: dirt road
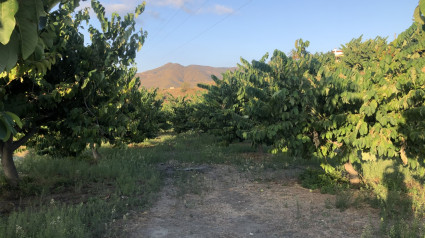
(220, 201)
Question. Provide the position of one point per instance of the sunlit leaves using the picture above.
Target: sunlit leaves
(367, 106)
(8, 9)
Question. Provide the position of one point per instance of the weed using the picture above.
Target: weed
(189, 182)
(328, 203)
(343, 199)
(298, 212)
(367, 231)
(402, 228)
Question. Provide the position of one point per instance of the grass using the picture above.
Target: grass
(389, 186)
(73, 197)
(343, 199)
(189, 182)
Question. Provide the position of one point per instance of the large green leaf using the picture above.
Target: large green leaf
(51, 3)
(3, 131)
(28, 17)
(9, 53)
(8, 10)
(4, 128)
(15, 118)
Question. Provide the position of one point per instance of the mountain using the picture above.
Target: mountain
(176, 76)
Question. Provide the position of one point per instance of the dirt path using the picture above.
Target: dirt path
(233, 204)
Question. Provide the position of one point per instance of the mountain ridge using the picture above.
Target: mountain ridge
(174, 75)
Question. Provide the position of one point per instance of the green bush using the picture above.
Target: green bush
(326, 182)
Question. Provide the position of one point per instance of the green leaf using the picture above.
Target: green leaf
(27, 18)
(8, 9)
(363, 129)
(417, 16)
(9, 53)
(86, 81)
(422, 7)
(139, 9)
(132, 83)
(4, 129)
(15, 118)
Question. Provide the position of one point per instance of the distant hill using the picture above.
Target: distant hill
(174, 75)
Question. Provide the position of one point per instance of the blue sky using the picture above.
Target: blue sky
(219, 32)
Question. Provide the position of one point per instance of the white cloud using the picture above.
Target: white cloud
(221, 10)
(217, 9)
(193, 6)
(171, 3)
(153, 14)
(121, 7)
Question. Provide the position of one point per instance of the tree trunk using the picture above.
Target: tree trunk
(9, 168)
(354, 176)
(96, 155)
(403, 155)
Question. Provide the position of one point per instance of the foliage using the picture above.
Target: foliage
(326, 182)
(181, 113)
(33, 62)
(365, 112)
(8, 121)
(220, 110)
(89, 89)
(90, 95)
(145, 115)
(25, 33)
(360, 55)
(367, 106)
(25, 45)
(277, 98)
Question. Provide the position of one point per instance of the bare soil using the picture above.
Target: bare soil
(231, 203)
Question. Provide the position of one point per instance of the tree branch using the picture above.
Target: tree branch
(23, 140)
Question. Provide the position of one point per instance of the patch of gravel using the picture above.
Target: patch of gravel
(233, 204)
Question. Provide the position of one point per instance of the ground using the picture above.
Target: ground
(224, 201)
(190, 186)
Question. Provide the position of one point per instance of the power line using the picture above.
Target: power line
(161, 28)
(207, 29)
(185, 20)
(175, 28)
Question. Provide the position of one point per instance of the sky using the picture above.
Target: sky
(219, 32)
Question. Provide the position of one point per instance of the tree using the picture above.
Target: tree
(23, 39)
(81, 99)
(220, 110)
(369, 106)
(360, 54)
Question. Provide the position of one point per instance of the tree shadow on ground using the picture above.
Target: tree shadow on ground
(397, 212)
